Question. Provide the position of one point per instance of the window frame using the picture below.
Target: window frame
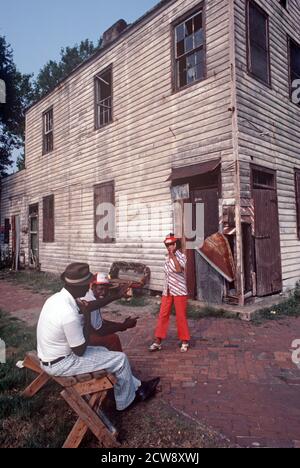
(183, 18)
(50, 132)
(267, 83)
(96, 79)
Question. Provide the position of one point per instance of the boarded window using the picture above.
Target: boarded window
(258, 43)
(6, 231)
(189, 50)
(294, 71)
(263, 179)
(284, 3)
(48, 219)
(297, 187)
(104, 213)
(48, 131)
(103, 98)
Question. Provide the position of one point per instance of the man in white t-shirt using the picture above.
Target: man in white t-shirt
(104, 332)
(62, 339)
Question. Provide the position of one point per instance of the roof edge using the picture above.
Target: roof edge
(100, 52)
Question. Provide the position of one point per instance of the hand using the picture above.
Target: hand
(123, 291)
(129, 323)
(82, 306)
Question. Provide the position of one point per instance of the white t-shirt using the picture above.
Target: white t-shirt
(96, 317)
(59, 327)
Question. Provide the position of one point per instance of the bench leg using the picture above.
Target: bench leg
(90, 419)
(79, 430)
(36, 385)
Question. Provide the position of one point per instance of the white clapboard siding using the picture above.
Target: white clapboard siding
(153, 130)
(269, 123)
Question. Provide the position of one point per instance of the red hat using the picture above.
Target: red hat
(100, 278)
(170, 239)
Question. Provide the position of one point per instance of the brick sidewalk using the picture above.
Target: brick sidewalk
(237, 378)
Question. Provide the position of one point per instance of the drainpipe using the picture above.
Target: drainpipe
(235, 134)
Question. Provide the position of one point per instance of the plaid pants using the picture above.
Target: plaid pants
(100, 358)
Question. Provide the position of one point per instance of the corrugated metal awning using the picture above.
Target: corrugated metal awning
(194, 170)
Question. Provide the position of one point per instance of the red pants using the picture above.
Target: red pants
(111, 342)
(180, 303)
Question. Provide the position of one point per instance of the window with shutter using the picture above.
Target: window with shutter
(6, 231)
(297, 190)
(48, 219)
(294, 51)
(258, 43)
(104, 213)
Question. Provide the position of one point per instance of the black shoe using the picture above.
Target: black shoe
(146, 390)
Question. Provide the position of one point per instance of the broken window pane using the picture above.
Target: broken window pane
(103, 92)
(189, 37)
(189, 28)
(198, 22)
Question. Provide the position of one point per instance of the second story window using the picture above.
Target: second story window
(258, 43)
(103, 98)
(48, 131)
(294, 72)
(189, 50)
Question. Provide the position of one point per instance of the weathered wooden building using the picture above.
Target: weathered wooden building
(194, 94)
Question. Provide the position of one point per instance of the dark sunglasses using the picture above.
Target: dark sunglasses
(168, 244)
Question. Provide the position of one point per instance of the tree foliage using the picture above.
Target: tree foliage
(19, 96)
(70, 58)
(22, 91)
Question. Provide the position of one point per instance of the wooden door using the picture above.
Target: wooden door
(267, 242)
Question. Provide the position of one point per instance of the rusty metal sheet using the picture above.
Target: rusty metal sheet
(217, 252)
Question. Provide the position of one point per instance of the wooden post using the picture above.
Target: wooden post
(238, 219)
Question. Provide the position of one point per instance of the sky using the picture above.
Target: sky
(37, 29)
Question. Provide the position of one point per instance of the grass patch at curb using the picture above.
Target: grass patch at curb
(35, 422)
(288, 308)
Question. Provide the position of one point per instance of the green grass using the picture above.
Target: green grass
(34, 422)
(288, 308)
(36, 281)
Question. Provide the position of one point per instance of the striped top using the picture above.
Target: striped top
(175, 283)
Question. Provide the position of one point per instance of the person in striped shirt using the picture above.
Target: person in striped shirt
(175, 292)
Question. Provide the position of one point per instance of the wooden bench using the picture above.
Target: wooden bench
(84, 394)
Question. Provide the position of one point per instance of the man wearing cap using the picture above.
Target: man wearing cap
(175, 292)
(62, 340)
(104, 331)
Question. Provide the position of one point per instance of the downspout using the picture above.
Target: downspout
(235, 144)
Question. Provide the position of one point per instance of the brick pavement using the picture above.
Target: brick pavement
(237, 378)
